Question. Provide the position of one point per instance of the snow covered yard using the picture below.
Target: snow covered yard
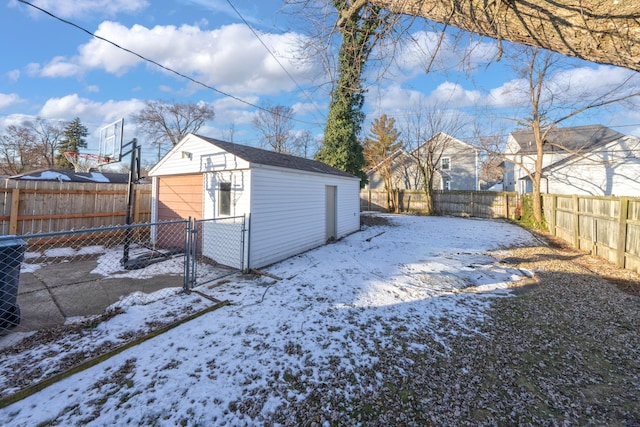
(318, 321)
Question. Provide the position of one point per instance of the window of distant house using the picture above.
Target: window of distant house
(224, 199)
(447, 185)
(445, 163)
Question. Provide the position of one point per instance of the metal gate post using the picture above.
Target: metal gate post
(194, 251)
(187, 256)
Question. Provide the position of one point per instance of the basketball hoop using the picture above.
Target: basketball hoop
(84, 162)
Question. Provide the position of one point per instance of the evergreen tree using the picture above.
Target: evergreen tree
(341, 148)
(74, 139)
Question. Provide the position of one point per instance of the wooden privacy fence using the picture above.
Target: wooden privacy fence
(608, 227)
(29, 207)
(483, 204)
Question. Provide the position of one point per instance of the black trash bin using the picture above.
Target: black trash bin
(11, 256)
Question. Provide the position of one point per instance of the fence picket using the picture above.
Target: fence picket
(36, 207)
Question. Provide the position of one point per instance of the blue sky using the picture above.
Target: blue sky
(53, 70)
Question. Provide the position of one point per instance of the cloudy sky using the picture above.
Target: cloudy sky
(236, 55)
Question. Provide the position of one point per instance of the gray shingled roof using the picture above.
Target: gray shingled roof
(580, 139)
(271, 158)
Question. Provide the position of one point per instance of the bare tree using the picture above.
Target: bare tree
(163, 122)
(47, 135)
(305, 145)
(552, 101)
(275, 124)
(17, 150)
(379, 147)
(427, 136)
(600, 31)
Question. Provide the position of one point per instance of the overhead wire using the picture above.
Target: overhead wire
(151, 61)
(255, 33)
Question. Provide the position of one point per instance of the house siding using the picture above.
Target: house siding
(288, 212)
(613, 169)
(599, 174)
(462, 175)
(193, 155)
(240, 192)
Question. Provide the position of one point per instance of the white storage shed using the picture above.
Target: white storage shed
(291, 204)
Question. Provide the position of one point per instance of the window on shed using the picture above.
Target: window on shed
(447, 185)
(445, 163)
(224, 199)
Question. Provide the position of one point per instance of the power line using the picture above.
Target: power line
(274, 57)
(151, 61)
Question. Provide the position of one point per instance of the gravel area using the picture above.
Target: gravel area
(564, 351)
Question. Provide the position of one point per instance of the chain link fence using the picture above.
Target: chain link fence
(218, 249)
(46, 279)
(71, 296)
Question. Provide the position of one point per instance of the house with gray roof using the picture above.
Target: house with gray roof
(288, 204)
(456, 166)
(583, 160)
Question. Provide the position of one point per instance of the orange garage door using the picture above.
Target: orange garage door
(180, 197)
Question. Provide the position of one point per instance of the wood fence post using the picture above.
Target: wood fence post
(15, 204)
(552, 214)
(472, 205)
(576, 222)
(622, 231)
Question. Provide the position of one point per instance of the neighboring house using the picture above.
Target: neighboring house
(581, 160)
(68, 175)
(457, 166)
(294, 204)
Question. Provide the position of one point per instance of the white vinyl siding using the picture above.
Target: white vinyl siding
(202, 157)
(285, 208)
(288, 212)
(239, 194)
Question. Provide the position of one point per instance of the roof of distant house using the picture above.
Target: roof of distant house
(66, 175)
(271, 158)
(581, 139)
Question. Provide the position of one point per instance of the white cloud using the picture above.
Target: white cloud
(230, 58)
(430, 50)
(8, 99)
(59, 67)
(13, 75)
(449, 94)
(84, 8)
(91, 112)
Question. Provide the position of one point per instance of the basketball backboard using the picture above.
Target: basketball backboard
(111, 141)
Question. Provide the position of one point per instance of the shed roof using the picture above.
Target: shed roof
(582, 139)
(271, 158)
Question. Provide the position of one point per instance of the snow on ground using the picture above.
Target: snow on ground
(279, 337)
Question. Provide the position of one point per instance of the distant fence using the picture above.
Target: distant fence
(483, 204)
(608, 227)
(29, 207)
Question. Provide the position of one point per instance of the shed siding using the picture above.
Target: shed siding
(288, 212)
(180, 197)
(240, 192)
(193, 155)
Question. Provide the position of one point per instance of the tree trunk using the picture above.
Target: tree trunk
(602, 31)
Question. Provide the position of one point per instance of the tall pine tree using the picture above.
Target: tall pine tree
(74, 139)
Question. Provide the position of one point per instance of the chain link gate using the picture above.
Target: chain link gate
(216, 248)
